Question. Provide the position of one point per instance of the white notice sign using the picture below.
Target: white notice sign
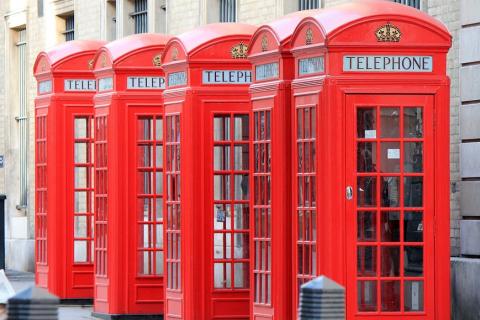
(388, 63)
(370, 134)
(146, 83)
(393, 153)
(79, 85)
(226, 76)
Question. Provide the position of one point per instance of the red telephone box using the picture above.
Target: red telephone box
(274, 70)
(129, 177)
(207, 112)
(64, 169)
(381, 132)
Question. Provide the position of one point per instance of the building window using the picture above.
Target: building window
(23, 115)
(228, 10)
(111, 20)
(140, 16)
(69, 28)
(308, 4)
(40, 8)
(411, 3)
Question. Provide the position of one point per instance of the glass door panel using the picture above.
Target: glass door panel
(389, 210)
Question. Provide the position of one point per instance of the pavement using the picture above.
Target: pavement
(21, 280)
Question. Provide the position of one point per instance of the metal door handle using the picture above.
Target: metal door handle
(349, 193)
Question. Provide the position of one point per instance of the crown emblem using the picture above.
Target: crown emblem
(308, 36)
(157, 60)
(43, 66)
(240, 51)
(103, 61)
(264, 43)
(174, 54)
(388, 33)
(90, 64)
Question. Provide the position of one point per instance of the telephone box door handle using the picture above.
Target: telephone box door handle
(349, 193)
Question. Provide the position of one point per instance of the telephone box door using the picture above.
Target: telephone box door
(389, 206)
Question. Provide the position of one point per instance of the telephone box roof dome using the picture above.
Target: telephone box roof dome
(119, 48)
(197, 37)
(68, 49)
(336, 18)
(284, 27)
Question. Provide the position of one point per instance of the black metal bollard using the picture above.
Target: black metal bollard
(2, 231)
(321, 299)
(33, 304)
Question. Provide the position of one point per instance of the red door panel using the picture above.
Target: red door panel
(389, 166)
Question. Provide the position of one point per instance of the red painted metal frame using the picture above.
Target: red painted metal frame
(55, 113)
(196, 104)
(350, 30)
(123, 282)
(271, 45)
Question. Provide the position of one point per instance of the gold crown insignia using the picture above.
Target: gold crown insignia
(264, 43)
(157, 60)
(308, 36)
(388, 33)
(240, 51)
(174, 54)
(90, 64)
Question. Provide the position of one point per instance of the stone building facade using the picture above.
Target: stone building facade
(30, 26)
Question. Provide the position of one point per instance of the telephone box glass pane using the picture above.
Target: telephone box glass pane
(221, 216)
(221, 187)
(241, 156)
(145, 156)
(81, 177)
(413, 158)
(159, 209)
(241, 187)
(159, 262)
(390, 226)
(241, 274)
(390, 260)
(367, 295)
(221, 157)
(366, 261)
(241, 128)
(145, 129)
(413, 226)
(80, 128)
(159, 156)
(367, 157)
(366, 226)
(366, 123)
(80, 201)
(80, 251)
(390, 157)
(413, 189)
(240, 245)
(390, 191)
(159, 129)
(80, 226)
(221, 128)
(413, 122)
(413, 261)
(367, 191)
(241, 217)
(390, 293)
(80, 152)
(390, 122)
(413, 295)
